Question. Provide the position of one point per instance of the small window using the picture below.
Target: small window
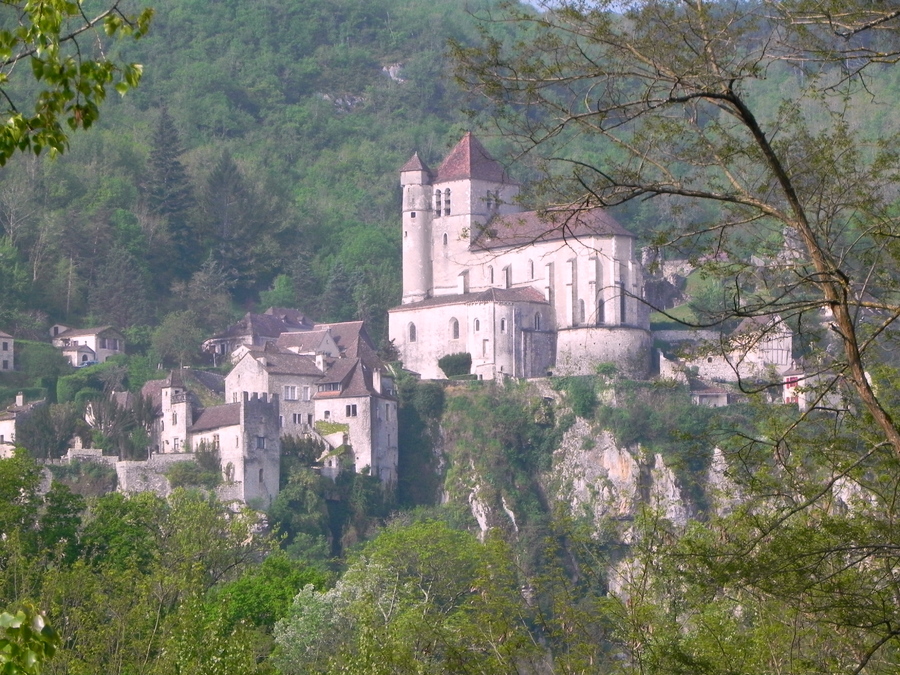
(297, 418)
(281, 421)
(84, 358)
(444, 238)
(537, 321)
(309, 419)
(327, 415)
(447, 202)
(437, 202)
(234, 397)
(484, 347)
(412, 214)
(174, 418)
(454, 329)
(581, 311)
(709, 360)
(490, 274)
(502, 325)
(387, 412)
(5, 364)
(306, 393)
(412, 332)
(176, 444)
(477, 325)
(260, 475)
(6, 346)
(215, 441)
(351, 410)
(531, 269)
(260, 442)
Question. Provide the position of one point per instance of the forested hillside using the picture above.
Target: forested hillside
(260, 152)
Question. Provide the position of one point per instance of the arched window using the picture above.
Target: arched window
(537, 320)
(412, 332)
(437, 202)
(454, 329)
(447, 202)
(477, 325)
(601, 309)
(444, 238)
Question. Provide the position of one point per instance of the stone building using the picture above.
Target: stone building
(523, 292)
(245, 434)
(333, 386)
(81, 346)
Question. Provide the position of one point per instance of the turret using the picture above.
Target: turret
(415, 179)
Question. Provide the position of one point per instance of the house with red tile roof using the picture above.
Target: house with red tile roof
(523, 292)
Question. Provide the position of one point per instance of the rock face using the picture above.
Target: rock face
(601, 480)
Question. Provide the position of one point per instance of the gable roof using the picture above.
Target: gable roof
(302, 342)
(227, 415)
(5, 335)
(265, 325)
(286, 363)
(354, 342)
(78, 332)
(469, 160)
(519, 229)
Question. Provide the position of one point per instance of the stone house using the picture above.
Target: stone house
(83, 345)
(255, 330)
(245, 434)
(333, 386)
(7, 352)
(522, 292)
(10, 419)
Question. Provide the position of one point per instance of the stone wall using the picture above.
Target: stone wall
(580, 350)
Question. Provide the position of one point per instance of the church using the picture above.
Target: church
(525, 293)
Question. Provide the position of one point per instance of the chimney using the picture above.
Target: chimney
(20, 399)
(376, 380)
(320, 361)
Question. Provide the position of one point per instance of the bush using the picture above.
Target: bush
(456, 364)
(191, 474)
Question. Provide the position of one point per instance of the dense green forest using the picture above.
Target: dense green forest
(255, 165)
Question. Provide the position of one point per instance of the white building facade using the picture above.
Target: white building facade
(523, 292)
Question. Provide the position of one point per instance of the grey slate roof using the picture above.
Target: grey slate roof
(529, 227)
(287, 363)
(225, 415)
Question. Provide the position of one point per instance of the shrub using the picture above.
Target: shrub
(190, 474)
(456, 364)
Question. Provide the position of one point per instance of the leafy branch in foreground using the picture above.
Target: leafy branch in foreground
(67, 56)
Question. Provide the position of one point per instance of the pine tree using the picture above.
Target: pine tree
(170, 194)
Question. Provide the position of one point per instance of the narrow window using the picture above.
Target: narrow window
(454, 329)
(484, 347)
(447, 202)
(260, 475)
(260, 442)
(281, 421)
(490, 274)
(234, 397)
(412, 332)
(5, 364)
(215, 441)
(581, 311)
(6, 346)
(537, 321)
(477, 325)
(309, 419)
(601, 318)
(444, 238)
(531, 269)
(174, 418)
(437, 202)
(502, 325)
(387, 412)
(176, 444)
(327, 414)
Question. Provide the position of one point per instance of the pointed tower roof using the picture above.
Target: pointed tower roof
(470, 160)
(416, 164)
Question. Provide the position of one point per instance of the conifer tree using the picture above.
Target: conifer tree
(170, 194)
